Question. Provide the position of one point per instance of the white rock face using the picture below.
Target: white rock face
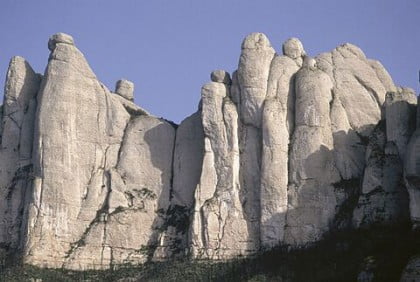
(285, 151)
(187, 164)
(119, 172)
(311, 199)
(59, 38)
(79, 127)
(274, 174)
(16, 131)
(188, 159)
(252, 82)
(293, 48)
(125, 88)
(277, 125)
(138, 198)
(220, 76)
(351, 72)
(219, 229)
(253, 72)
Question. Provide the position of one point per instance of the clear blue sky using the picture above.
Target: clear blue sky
(168, 48)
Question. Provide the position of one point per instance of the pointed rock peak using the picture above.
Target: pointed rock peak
(351, 50)
(19, 70)
(309, 62)
(125, 88)
(293, 48)
(18, 64)
(256, 40)
(16, 60)
(221, 76)
(59, 38)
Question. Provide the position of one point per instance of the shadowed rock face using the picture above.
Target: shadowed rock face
(284, 151)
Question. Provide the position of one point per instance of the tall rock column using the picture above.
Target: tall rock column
(252, 76)
(187, 164)
(277, 124)
(400, 115)
(79, 127)
(219, 229)
(383, 198)
(311, 199)
(412, 173)
(16, 131)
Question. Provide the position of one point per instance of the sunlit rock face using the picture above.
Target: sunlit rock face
(282, 152)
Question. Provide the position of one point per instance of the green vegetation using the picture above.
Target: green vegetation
(383, 251)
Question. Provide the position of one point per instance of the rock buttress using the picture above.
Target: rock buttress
(16, 131)
(286, 151)
(219, 229)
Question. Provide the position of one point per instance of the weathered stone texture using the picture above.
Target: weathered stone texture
(311, 199)
(17, 126)
(284, 151)
(412, 173)
(219, 229)
(78, 130)
(125, 89)
(277, 125)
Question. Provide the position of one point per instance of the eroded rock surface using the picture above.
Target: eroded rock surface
(286, 150)
(16, 139)
(219, 229)
(412, 173)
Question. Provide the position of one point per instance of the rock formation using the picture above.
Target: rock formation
(287, 150)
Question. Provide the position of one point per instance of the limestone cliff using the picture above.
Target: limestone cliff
(286, 150)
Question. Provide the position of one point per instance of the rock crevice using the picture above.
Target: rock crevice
(285, 151)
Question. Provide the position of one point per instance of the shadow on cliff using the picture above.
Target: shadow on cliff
(343, 256)
(341, 253)
(325, 195)
(320, 218)
(153, 138)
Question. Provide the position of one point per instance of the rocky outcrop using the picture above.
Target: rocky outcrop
(79, 127)
(383, 197)
(125, 89)
(312, 203)
(277, 126)
(412, 172)
(87, 189)
(219, 228)
(283, 152)
(186, 173)
(16, 139)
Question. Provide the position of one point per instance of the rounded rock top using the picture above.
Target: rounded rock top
(309, 62)
(256, 40)
(220, 76)
(125, 88)
(352, 49)
(293, 48)
(59, 38)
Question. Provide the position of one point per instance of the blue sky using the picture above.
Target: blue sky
(168, 48)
